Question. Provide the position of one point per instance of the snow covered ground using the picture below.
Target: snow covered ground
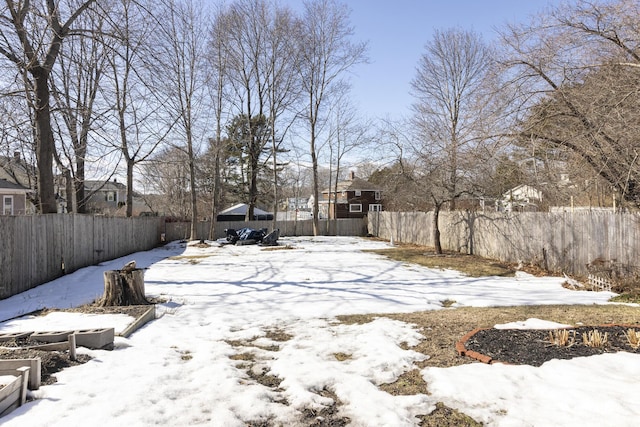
(178, 370)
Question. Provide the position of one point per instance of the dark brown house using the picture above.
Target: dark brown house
(354, 198)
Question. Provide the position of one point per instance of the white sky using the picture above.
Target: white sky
(177, 370)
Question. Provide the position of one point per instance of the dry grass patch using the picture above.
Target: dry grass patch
(409, 383)
(261, 376)
(468, 264)
(278, 335)
(236, 343)
(246, 356)
(192, 259)
(278, 248)
(341, 357)
(443, 416)
(443, 328)
(272, 348)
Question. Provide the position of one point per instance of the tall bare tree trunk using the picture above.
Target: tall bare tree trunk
(45, 144)
(436, 228)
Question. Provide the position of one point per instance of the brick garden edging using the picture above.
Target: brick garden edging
(462, 350)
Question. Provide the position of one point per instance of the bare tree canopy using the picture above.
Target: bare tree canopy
(574, 76)
(327, 53)
(31, 37)
(452, 101)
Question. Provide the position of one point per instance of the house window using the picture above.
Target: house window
(7, 205)
(355, 208)
(375, 207)
(111, 196)
(378, 195)
(358, 193)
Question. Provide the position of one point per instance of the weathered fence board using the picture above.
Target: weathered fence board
(562, 242)
(345, 227)
(38, 248)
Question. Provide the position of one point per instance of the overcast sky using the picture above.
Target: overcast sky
(397, 32)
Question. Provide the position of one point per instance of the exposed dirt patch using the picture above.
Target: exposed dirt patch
(52, 361)
(134, 311)
(261, 376)
(327, 416)
(55, 361)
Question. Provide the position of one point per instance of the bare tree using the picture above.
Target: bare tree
(182, 44)
(451, 99)
(346, 134)
(139, 115)
(574, 72)
(75, 87)
(246, 43)
(165, 180)
(327, 54)
(218, 57)
(31, 36)
(282, 89)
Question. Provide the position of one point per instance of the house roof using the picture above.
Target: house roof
(104, 185)
(16, 170)
(241, 209)
(523, 191)
(354, 184)
(6, 185)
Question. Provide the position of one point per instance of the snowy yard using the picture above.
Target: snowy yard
(274, 310)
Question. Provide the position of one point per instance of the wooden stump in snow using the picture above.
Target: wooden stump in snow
(123, 287)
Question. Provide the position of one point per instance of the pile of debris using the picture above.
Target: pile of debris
(251, 236)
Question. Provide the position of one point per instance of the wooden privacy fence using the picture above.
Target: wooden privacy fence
(38, 248)
(344, 227)
(565, 242)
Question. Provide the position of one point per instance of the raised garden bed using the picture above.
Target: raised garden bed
(13, 389)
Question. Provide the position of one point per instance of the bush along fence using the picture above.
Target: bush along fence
(38, 248)
(580, 243)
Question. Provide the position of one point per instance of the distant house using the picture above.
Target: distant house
(239, 212)
(521, 198)
(354, 198)
(103, 197)
(14, 169)
(19, 175)
(14, 199)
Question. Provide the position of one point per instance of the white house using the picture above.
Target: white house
(521, 198)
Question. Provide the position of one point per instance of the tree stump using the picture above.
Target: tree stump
(123, 287)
